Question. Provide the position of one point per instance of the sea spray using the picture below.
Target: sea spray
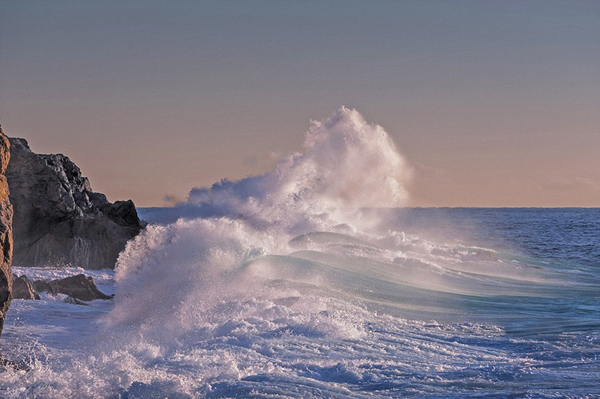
(346, 164)
(171, 276)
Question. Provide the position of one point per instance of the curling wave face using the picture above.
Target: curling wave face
(227, 230)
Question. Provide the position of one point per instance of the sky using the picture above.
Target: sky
(492, 103)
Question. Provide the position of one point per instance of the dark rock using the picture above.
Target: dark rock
(15, 366)
(74, 301)
(58, 219)
(23, 288)
(6, 239)
(47, 287)
(79, 287)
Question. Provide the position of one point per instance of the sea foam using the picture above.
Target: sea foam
(171, 275)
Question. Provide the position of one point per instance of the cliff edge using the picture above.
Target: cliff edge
(6, 243)
(58, 219)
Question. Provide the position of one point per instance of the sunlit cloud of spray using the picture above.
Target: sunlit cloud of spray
(346, 164)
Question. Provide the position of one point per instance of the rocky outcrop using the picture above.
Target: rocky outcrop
(58, 219)
(6, 241)
(23, 288)
(79, 287)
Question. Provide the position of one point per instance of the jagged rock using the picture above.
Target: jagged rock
(79, 287)
(23, 288)
(43, 286)
(58, 219)
(6, 364)
(6, 240)
(74, 301)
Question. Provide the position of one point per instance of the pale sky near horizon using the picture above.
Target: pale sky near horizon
(493, 103)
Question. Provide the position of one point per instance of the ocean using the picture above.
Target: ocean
(310, 282)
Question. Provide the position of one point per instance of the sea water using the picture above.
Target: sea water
(313, 281)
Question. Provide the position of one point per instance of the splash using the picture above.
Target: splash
(207, 255)
(280, 235)
(346, 164)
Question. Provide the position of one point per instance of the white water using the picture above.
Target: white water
(281, 286)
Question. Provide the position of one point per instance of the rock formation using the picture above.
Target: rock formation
(79, 287)
(58, 219)
(6, 243)
(23, 288)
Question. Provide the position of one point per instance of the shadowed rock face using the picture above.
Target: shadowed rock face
(78, 287)
(58, 219)
(23, 288)
(6, 243)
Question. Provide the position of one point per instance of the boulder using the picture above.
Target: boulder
(74, 301)
(47, 287)
(58, 219)
(6, 239)
(79, 287)
(23, 288)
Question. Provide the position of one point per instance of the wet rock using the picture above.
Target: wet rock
(74, 301)
(23, 288)
(15, 366)
(79, 287)
(6, 239)
(58, 219)
(47, 287)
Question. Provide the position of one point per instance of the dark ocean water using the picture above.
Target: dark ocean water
(560, 234)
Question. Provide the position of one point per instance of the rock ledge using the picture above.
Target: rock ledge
(58, 219)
